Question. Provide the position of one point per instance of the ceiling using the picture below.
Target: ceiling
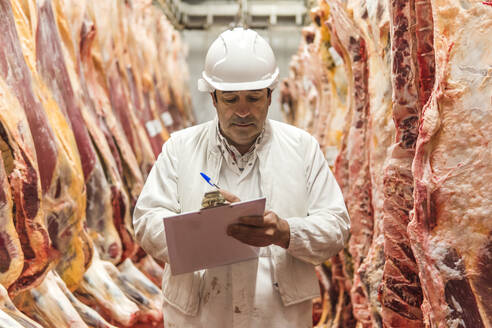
(202, 14)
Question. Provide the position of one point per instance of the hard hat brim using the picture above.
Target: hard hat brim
(205, 84)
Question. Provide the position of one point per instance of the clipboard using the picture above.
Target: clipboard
(198, 240)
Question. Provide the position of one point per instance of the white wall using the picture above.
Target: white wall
(283, 40)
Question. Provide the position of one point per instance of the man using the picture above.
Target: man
(305, 222)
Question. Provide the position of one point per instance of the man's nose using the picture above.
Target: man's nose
(243, 110)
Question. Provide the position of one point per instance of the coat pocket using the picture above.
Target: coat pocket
(296, 280)
(182, 291)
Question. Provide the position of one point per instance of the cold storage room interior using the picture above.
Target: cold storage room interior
(396, 93)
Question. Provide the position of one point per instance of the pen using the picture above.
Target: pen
(204, 176)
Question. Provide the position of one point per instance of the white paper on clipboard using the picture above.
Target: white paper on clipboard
(198, 240)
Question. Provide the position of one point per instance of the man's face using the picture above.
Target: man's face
(242, 115)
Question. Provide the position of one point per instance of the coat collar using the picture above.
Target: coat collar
(261, 148)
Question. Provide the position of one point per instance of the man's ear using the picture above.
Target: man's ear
(269, 97)
(214, 98)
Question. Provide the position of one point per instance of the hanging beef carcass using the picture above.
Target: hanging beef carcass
(55, 73)
(373, 18)
(333, 87)
(111, 230)
(95, 290)
(24, 177)
(412, 74)
(95, 73)
(161, 41)
(139, 79)
(10, 316)
(332, 111)
(146, 141)
(113, 53)
(358, 198)
(11, 255)
(451, 230)
(135, 132)
(109, 154)
(342, 264)
(64, 197)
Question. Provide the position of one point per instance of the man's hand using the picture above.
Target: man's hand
(261, 231)
(230, 197)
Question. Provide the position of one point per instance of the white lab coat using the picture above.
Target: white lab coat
(299, 187)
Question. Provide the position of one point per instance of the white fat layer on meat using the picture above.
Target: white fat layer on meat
(336, 57)
(438, 251)
(455, 323)
(7, 321)
(457, 305)
(167, 119)
(331, 153)
(445, 238)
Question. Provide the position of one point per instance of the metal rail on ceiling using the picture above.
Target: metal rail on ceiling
(257, 14)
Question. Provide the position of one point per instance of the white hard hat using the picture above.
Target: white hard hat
(239, 59)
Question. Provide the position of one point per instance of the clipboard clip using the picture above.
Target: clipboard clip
(213, 199)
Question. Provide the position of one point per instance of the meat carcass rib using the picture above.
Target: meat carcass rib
(48, 305)
(25, 178)
(451, 230)
(142, 282)
(11, 255)
(7, 322)
(359, 181)
(9, 312)
(100, 292)
(90, 316)
(148, 298)
(64, 198)
(401, 294)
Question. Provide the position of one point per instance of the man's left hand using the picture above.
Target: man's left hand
(261, 231)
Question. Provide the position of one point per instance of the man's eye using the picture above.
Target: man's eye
(230, 100)
(252, 99)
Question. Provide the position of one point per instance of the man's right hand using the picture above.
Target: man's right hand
(230, 197)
